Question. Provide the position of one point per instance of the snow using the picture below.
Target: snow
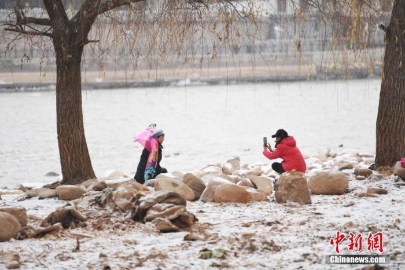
(257, 235)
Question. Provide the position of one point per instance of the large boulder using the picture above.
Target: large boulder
(231, 193)
(231, 165)
(42, 193)
(70, 192)
(262, 183)
(328, 183)
(69, 217)
(245, 182)
(165, 209)
(9, 226)
(18, 212)
(195, 183)
(293, 187)
(170, 184)
(125, 197)
(210, 169)
(209, 193)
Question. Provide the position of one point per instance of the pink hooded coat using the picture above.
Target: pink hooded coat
(291, 155)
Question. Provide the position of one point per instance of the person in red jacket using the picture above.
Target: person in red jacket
(286, 149)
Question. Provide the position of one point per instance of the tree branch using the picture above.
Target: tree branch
(38, 21)
(33, 33)
(56, 13)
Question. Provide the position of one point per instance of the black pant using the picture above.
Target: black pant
(277, 167)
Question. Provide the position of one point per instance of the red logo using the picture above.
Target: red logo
(374, 242)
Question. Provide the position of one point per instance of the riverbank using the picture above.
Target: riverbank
(43, 81)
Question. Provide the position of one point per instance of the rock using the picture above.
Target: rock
(125, 197)
(114, 174)
(115, 183)
(397, 169)
(231, 165)
(46, 193)
(51, 174)
(364, 194)
(363, 172)
(42, 193)
(165, 225)
(185, 220)
(252, 171)
(173, 175)
(141, 189)
(11, 259)
(195, 183)
(375, 190)
(231, 178)
(293, 187)
(146, 202)
(256, 195)
(174, 185)
(18, 212)
(345, 166)
(99, 186)
(164, 210)
(231, 193)
(262, 183)
(106, 198)
(52, 185)
(360, 177)
(29, 232)
(212, 169)
(9, 226)
(328, 183)
(245, 182)
(90, 183)
(20, 187)
(68, 217)
(16, 192)
(150, 183)
(70, 192)
(13, 265)
(209, 192)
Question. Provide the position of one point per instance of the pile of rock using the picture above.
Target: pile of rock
(162, 201)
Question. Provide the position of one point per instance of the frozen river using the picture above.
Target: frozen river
(203, 124)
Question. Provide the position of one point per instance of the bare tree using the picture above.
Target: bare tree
(391, 117)
(70, 26)
(352, 26)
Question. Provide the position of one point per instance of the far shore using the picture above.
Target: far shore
(13, 81)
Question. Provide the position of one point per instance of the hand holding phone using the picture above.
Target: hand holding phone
(264, 141)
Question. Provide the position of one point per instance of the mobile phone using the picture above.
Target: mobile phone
(265, 141)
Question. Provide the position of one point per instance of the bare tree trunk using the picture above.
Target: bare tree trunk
(74, 155)
(390, 131)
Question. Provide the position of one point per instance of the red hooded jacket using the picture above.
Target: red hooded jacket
(291, 155)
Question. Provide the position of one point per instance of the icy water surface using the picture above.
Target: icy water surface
(203, 124)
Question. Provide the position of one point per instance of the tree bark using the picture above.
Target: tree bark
(74, 155)
(390, 126)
